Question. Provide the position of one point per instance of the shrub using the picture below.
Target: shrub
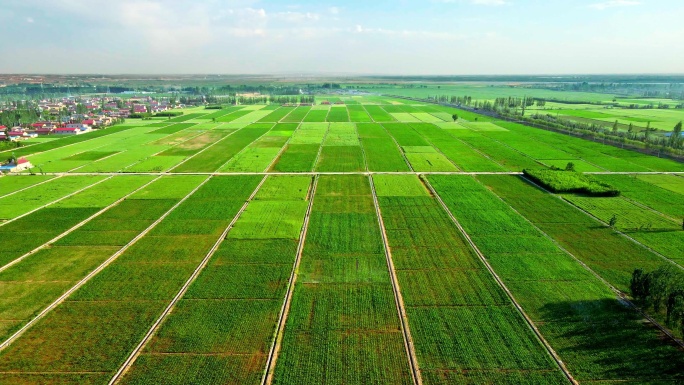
(567, 181)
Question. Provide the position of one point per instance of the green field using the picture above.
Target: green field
(371, 241)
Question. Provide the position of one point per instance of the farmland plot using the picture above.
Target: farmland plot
(461, 154)
(343, 326)
(276, 115)
(230, 312)
(318, 114)
(12, 185)
(378, 114)
(382, 153)
(41, 226)
(358, 114)
(37, 196)
(505, 156)
(650, 228)
(218, 154)
(96, 328)
(302, 150)
(461, 321)
(297, 115)
(258, 156)
(63, 142)
(39, 279)
(338, 114)
(579, 316)
(341, 150)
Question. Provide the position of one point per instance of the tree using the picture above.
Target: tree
(613, 221)
(630, 128)
(454, 117)
(615, 127)
(570, 167)
(638, 285)
(676, 136)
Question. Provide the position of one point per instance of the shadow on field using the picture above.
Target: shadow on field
(605, 340)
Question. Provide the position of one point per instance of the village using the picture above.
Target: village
(72, 116)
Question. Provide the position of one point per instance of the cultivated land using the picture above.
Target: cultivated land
(371, 242)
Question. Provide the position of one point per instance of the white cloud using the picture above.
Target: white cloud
(478, 2)
(296, 17)
(614, 4)
(489, 2)
(29, 20)
(408, 33)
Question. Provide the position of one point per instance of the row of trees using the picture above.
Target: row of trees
(263, 99)
(12, 118)
(661, 290)
(516, 108)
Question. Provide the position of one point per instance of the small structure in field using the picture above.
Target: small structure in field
(16, 165)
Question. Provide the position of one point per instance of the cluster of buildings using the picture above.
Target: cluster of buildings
(58, 128)
(69, 116)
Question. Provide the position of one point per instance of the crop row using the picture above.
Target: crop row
(97, 327)
(596, 337)
(460, 319)
(343, 326)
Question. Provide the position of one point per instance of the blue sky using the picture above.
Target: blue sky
(333, 37)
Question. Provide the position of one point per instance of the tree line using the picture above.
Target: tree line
(661, 290)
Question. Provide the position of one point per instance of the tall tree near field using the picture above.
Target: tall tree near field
(676, 138)
(454, 117)
(630, 128)
(615, 127)
(613, 221)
